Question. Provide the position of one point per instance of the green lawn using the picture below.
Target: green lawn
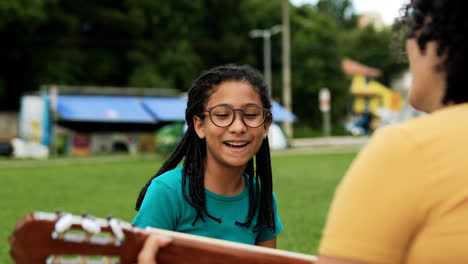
(104, 186)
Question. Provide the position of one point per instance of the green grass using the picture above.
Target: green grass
(302, 130)
(104, 186)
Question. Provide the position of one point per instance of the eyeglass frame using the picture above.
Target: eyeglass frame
(266, 114)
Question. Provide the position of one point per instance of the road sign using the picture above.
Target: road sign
(324, 100)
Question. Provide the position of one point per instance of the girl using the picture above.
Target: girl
(216, 193)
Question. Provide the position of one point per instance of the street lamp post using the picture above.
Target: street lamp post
(266, 35)
(287, 98)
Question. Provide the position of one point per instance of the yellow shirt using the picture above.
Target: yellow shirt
(405, 197)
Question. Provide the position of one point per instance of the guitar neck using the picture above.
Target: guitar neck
(39, 236)
(186, 248)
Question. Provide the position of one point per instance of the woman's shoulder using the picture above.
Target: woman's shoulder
(448, 122)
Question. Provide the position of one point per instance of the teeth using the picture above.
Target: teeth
(237, 144)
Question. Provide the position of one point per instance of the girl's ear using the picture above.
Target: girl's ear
(198, 125)
(266, 127)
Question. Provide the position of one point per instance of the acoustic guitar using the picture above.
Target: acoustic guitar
(64, 238)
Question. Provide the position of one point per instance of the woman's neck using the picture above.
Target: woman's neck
(223, 180)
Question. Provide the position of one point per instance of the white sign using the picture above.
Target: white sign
(31, 118)
(324, 100)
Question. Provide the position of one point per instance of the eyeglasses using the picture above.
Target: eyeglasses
(252, 115)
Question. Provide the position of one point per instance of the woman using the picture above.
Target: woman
(405, 197)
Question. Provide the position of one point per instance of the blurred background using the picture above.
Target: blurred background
(93, 97)
(90, 77)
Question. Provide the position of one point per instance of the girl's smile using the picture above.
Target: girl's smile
(236, 144)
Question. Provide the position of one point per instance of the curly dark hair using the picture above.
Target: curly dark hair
(446, 22)
(194, 150)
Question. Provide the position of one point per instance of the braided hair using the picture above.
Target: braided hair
(194, 150)
(446, 22)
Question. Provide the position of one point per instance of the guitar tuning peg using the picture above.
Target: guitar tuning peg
(63, 223)
(89, 225)
(116, 228)
(59, 213)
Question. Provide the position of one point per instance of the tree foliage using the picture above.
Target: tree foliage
(372, 47)
(167, 44)
(316, 60)
(340, 10)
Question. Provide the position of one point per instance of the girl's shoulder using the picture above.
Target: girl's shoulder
(171, 178)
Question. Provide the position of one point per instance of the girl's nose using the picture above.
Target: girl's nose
(238, 125)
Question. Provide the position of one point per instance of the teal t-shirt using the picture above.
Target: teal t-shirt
(165, 207)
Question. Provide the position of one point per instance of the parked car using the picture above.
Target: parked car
(6, 149)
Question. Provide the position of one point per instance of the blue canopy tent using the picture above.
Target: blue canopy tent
(280, 114)
(124, 109)
(131, 112)
(93, 113)
(173, 109)
(166, 108)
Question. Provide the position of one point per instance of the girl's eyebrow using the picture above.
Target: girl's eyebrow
(244, 105)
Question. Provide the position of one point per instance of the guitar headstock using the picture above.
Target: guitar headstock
(41, 237)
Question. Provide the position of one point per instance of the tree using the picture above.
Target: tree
(341, 10)
(372, 47)
(167, 44)
(316, 58)
(18, 23)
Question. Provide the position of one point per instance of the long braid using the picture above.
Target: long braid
(170, 164)
(200, 184)
(262, 190)
(249, 170)
(192, 166)
(196, 181)
(266, 215)
(188, 170)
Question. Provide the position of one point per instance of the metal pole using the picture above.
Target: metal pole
(286, 57)
(266, 35)
(326, 124)
(267, 59)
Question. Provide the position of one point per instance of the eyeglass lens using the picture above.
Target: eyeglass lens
(253, 116)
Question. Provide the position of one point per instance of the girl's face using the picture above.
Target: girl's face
(236, 144)
(428, 84)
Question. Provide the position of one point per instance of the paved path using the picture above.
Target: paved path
(329, 141)
(64, 161)
(323, 145)
(297, 146)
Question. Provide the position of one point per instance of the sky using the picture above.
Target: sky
(388, 9)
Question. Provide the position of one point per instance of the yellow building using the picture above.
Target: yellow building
(368, 94)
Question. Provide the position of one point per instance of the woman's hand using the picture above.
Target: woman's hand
(151, 247)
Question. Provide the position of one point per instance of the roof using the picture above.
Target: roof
(166, 108)
(133, 109)
(353, 67)
(173, 108)
(123, 109)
